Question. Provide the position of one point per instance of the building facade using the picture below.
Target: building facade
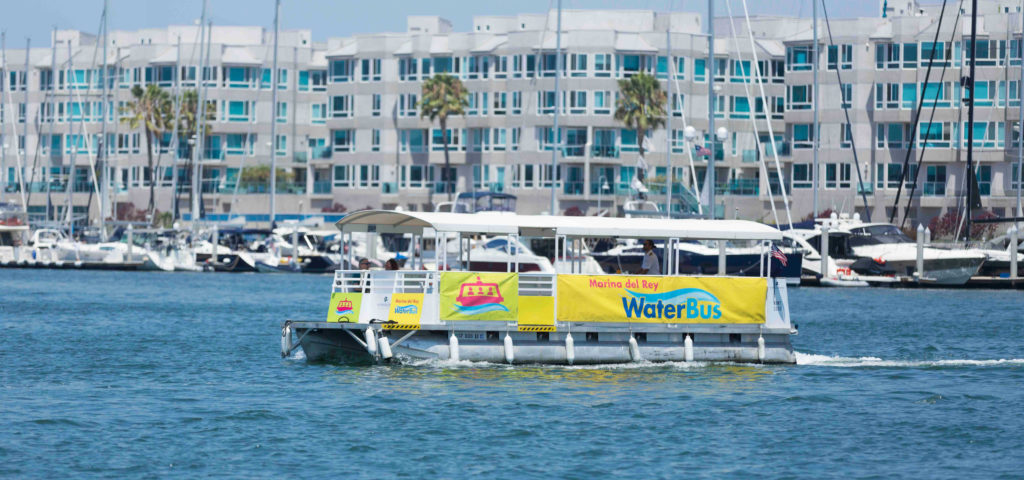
(349, 134)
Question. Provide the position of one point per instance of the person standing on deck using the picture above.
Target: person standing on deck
(650, 265)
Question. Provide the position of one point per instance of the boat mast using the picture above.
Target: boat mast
(3, 146)
(273, 119)
(669, 66)
(558, 106)
(197, 144)
(101, 159)
(1020, 128)
(174, 132)
(711, 109)
(53, 108)
(817, 133)
(970, 117)
(69, 213)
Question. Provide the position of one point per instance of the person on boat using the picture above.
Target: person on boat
(364, 263)
(650, 265)
(391, 264)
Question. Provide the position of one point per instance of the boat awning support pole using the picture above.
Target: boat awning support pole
(354, 337)
(721, 257)
(1013, 251)
(508, 259)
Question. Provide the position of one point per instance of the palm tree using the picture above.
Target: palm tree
(149, 110)
(443, 95)
(641, 105)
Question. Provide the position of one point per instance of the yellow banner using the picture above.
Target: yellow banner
(479, 296)
(406, 308)
(653, 299)
(344, 307)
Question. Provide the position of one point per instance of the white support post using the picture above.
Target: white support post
(824, 252)
(721, 258)
(1013, 252)
(920, 252)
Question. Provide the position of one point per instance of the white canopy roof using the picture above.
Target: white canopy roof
(632, 42)
(239, 56)
(386, 221)
(349, 50)
(490, 44)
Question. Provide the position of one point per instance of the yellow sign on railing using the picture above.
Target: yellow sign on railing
(344, 307)
(654, 299)
(406, 309)
(479, 296)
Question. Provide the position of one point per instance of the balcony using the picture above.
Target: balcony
(572, 188)
(322, 187)
(739, 187)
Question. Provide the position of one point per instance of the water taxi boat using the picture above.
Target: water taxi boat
(547, 317)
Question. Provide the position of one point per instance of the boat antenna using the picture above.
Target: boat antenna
(917, 119)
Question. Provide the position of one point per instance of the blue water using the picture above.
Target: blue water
(123, 374)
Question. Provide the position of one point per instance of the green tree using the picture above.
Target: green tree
(641, 105)
(443, 95)
(149, 110)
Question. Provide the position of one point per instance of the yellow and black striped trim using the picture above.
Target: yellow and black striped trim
(536, 328)
(401, 326)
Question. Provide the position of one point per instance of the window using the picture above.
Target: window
(341, 71)
(369, 70)
(375, 104)
(603, 102)
(803, 135)
(407, 105)
(846, 95)
(887, 55)
(479, 140)
(799, 97)
(548, 64)
(1009, 90)
(845, 136)
(341, 106)
(838, 175)
(577, 102)
(344, 141)
(909, 55)
(375, 140)
(500, 106)
(739, 107)
(318, 79)
(938, 54)
(407, 69)
(546, 102)
(367, 176)
(740, 71)
(985, 92)
(887, 95)
(477, 104)
(802, 177)
(935, 93)
(984, 175)
(240, 77)
(500, 67)
(892, 135)
(677, 104)
(798, 58)
(698, 70)
(413, 141)
(238, 111)
(935, 180)
(577, 65)
(282, 112)
(986, 134)
(933, 135)
(304, 81)
(1017, 178)
(437, 138)
(342, 175)
(239, 144)
(909, 96)
(282, 79)
(840, 57)
(281, 145)
(479, 67)
(318, 114)
(602, 65)
(413, 176)
(889, 176)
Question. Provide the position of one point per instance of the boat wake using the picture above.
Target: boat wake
(836, 361)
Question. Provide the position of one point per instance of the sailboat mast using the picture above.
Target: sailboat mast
(200, 120)
(101, 159)
(174, 131)
(69, 213)
(1020, 128)
(52, 96)
(711, 109)
(273, 118)
(558, 106)
(970, 116)
(3, 145)
(817, 133)
(669, 64)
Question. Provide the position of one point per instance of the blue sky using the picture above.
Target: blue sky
(327, 18)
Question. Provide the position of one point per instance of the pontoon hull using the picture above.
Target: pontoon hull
(323, 342)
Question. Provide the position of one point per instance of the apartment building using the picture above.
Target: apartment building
(349, 133)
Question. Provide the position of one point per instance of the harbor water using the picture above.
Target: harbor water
(138, 374)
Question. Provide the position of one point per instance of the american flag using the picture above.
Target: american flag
(702, 150)
(778, 255)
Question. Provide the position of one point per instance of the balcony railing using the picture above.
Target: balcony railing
(605, 151)
(572, 188)
(322, 186)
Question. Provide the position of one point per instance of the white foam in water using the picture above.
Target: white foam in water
(827, 361)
